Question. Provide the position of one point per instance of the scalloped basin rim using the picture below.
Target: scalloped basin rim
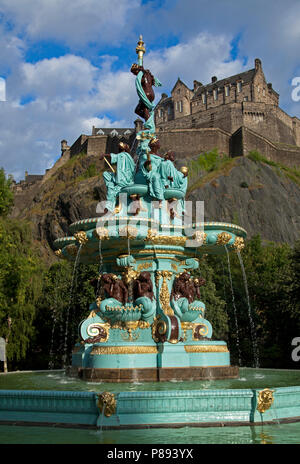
(217, 227)
(79, 225)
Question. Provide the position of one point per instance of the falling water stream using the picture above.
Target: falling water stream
(102, 417)
(65, 350)
(234, 310)
(252, 326)
(100, 267)
(128, 245)
(54, 321)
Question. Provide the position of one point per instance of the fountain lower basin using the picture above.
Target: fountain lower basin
(167, 404)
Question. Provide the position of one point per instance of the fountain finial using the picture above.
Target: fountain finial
(140, 50)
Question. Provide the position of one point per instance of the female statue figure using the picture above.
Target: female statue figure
(148, 170)
(144, 85)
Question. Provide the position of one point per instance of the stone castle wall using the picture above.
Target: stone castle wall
(188, 143)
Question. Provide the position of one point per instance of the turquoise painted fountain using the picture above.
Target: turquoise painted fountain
(147, 322)
(147, 325)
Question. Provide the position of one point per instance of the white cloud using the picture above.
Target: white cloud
(75, 23)
(64, 77)
(72, 93)
(199, 58)
(2, 89)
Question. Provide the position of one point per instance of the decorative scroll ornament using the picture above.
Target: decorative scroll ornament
(107, 403)
(159, 330)
(81, 237)
(239, 244)
(199, 330)
(164, 295)
(101, 233)
(265, 400)
(97, 332)
(223, 238)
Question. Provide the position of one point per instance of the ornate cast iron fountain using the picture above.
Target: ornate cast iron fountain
(147, 321)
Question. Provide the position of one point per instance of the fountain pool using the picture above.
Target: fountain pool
(52, 398)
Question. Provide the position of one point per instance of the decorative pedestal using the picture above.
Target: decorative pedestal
(147, 323)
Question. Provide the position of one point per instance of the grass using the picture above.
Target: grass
(207, 167)
(91, 171)
(291, 173)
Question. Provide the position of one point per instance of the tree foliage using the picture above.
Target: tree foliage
(6, 194)
(272, 272)
(20, 283)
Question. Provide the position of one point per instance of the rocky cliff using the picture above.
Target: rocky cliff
(261, 198)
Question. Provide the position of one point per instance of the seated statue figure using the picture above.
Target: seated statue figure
(122, 177)
(148, 170)
(143, 294)
(185, 295)
(173, 178)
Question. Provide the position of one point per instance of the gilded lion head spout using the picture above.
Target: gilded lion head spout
(107, 403)
(265, 400)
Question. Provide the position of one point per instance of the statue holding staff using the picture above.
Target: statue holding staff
(117, 179)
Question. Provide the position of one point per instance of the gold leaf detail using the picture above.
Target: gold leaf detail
(223, 238)
(81, 237)
(265, 400)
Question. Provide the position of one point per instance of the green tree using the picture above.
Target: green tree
(63, 304)
(6, 194)
(273, 300)
(20, 279)
(215, 311)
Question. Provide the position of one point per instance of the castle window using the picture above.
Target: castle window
(226, 90)
(180, 106)
(169, 110)
(215, 93)
(246, 98)
(239, 86)
(203, 98)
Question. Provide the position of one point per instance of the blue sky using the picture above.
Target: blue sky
(66, 64)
